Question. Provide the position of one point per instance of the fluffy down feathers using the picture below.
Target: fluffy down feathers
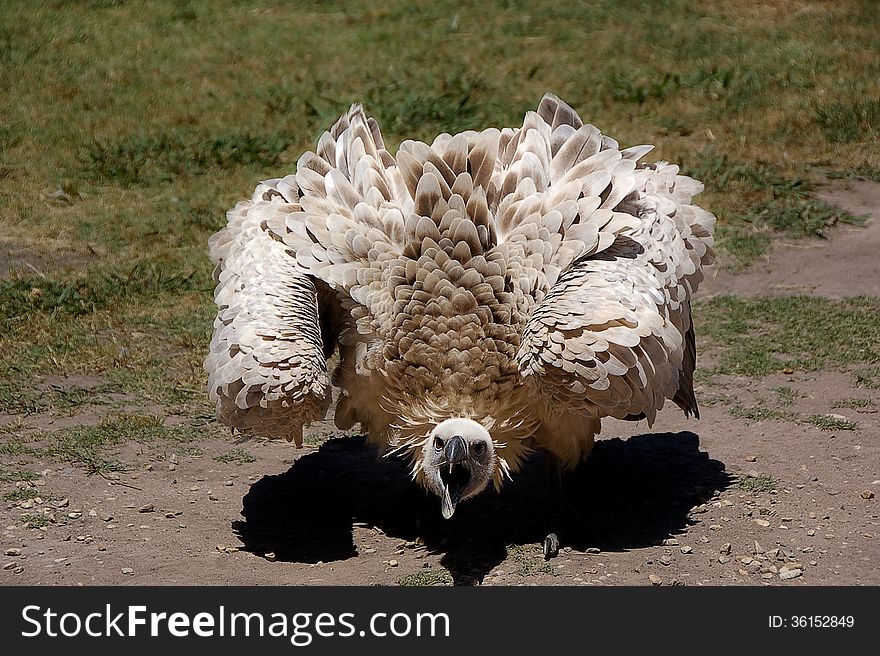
(532, 279)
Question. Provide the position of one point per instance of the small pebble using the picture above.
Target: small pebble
(271, 557)
(393, 563)
(655, 580)
(147, 508)
(686, 549)
(127, 570)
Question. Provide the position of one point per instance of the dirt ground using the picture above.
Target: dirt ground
(722, 500)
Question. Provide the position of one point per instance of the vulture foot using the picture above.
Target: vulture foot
(551, 546)
(557, 505)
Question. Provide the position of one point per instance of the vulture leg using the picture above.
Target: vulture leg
(558, 504)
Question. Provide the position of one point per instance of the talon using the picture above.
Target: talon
(551, 546)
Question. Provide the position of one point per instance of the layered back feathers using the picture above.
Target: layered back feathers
(504, 274)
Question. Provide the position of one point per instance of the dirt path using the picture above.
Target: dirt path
(848, 265)
(723, 500)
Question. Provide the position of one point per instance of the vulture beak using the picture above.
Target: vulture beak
(455, 474)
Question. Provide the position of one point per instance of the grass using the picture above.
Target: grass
(786, 396)
(759, 483)
(426, 577)
(777, 204)
(34, 521)
(829, 423)
(853, 403)
(527, 563)
(760, 412)
(759, 336)
(21, 494)
(20, 398)
(236, 456)
(849, 121)
(90, 447)
(868, 377)
(142, 159)
(8, 475)
(128, 129)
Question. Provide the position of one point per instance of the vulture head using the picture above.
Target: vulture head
(458, 461)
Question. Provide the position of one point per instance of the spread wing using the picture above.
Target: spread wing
(614, 337)
(267, 371)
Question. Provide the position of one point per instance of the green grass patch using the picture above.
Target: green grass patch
(760, 412)
(20, 398)
(800, 217)
(853, 403)
(21, 494)
(828, 423)
(236, 456)
(777, 203)
(90, 446)
(864, 171)
(148, 158)
(34, 521)
(869, 378)
(786, 395)
(17, 447)
(848, 121)
(760, 483)
(426, 577)
(759, 336)
(742, 245)
(85, 293)
(526, 563)
(8, 475)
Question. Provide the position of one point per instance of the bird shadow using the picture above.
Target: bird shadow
(630, 493)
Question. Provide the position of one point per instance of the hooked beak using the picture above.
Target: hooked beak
(455, 475)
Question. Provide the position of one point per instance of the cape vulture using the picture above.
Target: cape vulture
(489, 294)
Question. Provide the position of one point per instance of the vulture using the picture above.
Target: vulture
(488, 295)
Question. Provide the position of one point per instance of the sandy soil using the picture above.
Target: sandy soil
(660, 505)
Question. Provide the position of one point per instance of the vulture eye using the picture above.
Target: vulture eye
(438, 443)
(479, 448)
